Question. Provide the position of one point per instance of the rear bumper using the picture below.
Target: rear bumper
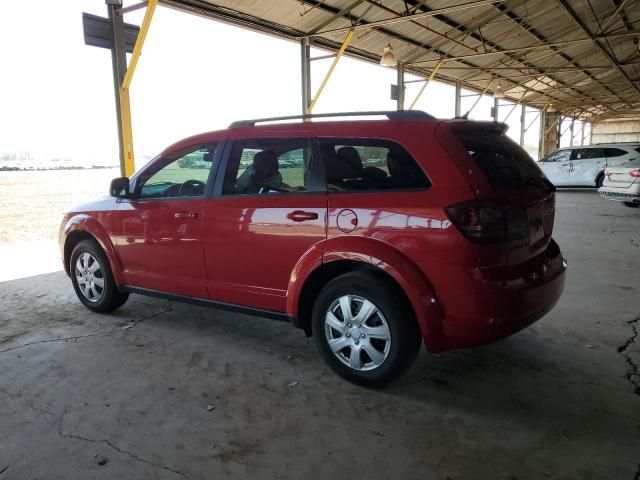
(621, 194)
(506, 302)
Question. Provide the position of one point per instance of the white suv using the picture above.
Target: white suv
(584, 166)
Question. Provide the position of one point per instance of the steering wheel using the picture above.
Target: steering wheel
(191, 188)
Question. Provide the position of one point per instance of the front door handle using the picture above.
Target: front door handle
(185, 215)
(301, 216)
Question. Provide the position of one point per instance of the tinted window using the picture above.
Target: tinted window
(587, 153)
(268, 166)
(184, 176)
(613, 152)
(369, 164)
(503, 162)
(559, 156)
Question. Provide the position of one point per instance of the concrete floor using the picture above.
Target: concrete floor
(85, 396)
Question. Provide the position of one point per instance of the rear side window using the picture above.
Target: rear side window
(587, 153)
(369, 164)
(613, 152)
(268, 166)
(503, 162)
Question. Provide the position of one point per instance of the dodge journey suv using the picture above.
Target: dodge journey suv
(374, 235)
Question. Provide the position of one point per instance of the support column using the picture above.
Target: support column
(551, 132)
(400, 82)
(573, 121)
(523, 115)
(543, 128)
(305, 63)
(584, 124)
(119, 67)
(458, 111)
(496, 105)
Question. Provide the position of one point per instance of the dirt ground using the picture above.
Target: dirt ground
(162, 390)
(32, 203)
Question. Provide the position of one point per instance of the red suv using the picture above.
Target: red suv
(371, 235)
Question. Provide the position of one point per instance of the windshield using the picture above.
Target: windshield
(503, 162)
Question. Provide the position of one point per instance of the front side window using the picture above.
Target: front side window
(559, 156)
(184, 176)
(587, 153)
(268, 166)
(369, 164)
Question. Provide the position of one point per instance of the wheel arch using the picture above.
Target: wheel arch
(347, 254)
(84, 227)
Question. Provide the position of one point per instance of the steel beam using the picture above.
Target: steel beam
(119, 68)
(326, 78)
(305, 74)
(523, 115)
(405, 18)
(424, 87)
(400, 83)
(572, 14)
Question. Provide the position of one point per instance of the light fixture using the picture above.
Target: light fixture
(499, 92)
(551, 108)
(388, 59)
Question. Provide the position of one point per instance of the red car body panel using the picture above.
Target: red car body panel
(248, 249)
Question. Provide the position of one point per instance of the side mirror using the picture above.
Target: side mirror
(119, 187)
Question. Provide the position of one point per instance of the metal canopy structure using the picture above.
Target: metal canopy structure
(579, 55)
(570, 59)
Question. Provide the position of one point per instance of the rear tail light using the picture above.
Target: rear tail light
(635, 173)
(489, 221)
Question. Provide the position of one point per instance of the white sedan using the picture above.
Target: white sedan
(622, 184)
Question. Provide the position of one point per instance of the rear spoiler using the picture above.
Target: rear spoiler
(460, 125)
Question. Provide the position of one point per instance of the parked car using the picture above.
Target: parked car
(447, 242)
(584, 166)
(622, 184)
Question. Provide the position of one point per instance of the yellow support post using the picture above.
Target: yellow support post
(344, 46)
(125, 106)
(433, 74)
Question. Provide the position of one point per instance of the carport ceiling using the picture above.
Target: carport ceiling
(580, 55)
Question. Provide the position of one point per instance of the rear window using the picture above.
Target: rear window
(503, 162)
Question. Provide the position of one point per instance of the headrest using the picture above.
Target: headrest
(265, 162)
(345, 164)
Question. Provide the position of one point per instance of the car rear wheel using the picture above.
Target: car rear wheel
(364, 329)
(631, 204)
(92, 278)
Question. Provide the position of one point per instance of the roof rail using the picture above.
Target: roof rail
(391, 115)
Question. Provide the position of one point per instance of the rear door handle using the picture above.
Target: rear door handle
(301, 216)
(185, 215)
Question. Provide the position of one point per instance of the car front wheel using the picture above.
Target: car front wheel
(92, 278)
(364, 328)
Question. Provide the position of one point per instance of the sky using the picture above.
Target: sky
(194, 75)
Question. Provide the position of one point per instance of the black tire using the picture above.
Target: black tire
(108, 297)
(599, 179)
(631, 204)
(404, 334)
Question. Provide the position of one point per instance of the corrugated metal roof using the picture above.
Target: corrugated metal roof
(581, 55)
